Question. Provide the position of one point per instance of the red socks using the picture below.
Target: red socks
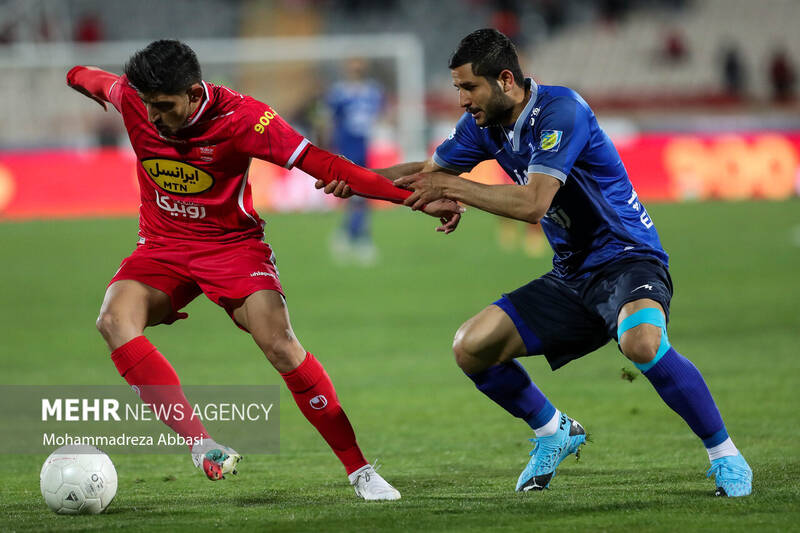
(144, 368)
(315, 396)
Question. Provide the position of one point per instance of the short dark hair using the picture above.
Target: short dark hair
(490, 53)
(164, 66)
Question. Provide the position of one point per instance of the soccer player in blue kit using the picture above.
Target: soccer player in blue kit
(610, 277)
(355, 104)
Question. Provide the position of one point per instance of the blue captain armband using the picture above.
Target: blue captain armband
(652, 316)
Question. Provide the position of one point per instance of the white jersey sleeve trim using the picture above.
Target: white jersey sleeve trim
(297, 151)
(541, 169)
(111, 90)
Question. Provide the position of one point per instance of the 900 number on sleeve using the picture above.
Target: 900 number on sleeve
(264, 121)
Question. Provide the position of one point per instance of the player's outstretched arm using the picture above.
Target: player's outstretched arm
(349, 179)
(93, 83)
(328, 168)
(528, 203)
(341, 189)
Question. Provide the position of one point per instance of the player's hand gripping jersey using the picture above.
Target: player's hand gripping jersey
(595, 217)
(194, 185)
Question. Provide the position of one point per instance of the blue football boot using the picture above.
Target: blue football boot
(733, 476)
(548, 454)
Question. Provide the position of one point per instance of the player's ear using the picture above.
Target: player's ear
(506, 80)
(195, 92)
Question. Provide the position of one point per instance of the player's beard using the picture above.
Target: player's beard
(498, 108)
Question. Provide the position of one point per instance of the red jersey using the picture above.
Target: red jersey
(194, 185)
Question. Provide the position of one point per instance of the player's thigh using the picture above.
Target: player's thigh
(487, 338)
(157, 274)
(136, 301)
(265, 315)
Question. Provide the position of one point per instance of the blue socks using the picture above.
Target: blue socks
(674, 377)
(683, 389)
(509, 385)
(357, 219)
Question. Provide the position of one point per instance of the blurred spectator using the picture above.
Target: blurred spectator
(612, 11)
(734, 77)
(107, 133)
(311, 119)
(355, 105)
(506, 19)
(782, 76)
(359, 6)
(7, 33)
(675, 48)
(554, 13)
(89, 29)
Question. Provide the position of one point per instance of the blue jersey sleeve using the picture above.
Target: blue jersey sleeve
(563, 132)
(462, 150)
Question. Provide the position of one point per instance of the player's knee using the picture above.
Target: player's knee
(467, 347)
(108, 323)
(640, 344)
(282, 349)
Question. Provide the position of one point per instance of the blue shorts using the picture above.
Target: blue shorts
(567, 319)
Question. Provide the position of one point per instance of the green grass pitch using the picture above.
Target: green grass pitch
(384, 335)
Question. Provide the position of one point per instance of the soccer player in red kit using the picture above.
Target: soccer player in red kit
(199, 233)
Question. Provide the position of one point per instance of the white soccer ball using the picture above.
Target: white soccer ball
(78, 480)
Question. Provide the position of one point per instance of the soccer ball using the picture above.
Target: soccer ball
(78, 480)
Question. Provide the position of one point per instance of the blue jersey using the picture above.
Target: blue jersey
(355, 107)
(595, 217)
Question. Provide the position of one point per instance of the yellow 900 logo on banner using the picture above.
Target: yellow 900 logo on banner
(264, 121)
(732, 167)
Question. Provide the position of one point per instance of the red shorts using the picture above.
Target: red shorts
(183, 270)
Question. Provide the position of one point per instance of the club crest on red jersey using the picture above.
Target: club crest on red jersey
(207, 153)
(177, 177)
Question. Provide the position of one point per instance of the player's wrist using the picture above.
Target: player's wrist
(450, 187)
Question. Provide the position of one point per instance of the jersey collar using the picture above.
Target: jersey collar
(523, 117)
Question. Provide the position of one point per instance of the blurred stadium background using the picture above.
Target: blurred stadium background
(699, 95)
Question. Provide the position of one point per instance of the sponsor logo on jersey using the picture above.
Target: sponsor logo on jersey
(177, 177)
(261, 273)
(264, 121)
(550, 141)
(177, 208)
(318, 402)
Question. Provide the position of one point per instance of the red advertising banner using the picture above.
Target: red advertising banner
(675, 167)
(663, 167)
